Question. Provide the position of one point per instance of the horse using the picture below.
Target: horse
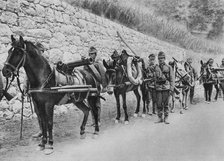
(119, 84)
(41, 77)
(208, 80)
(182, 85)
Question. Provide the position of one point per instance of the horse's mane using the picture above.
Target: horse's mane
(34, 49)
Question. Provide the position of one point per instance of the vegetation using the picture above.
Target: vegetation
(144, 19)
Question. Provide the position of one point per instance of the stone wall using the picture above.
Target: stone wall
(68, 32)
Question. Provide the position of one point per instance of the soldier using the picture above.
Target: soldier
(150, 73)
(164, 84)
(222, 66)
(93, 55)
(194, 76)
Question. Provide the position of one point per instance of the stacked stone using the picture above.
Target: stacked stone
(68, 32)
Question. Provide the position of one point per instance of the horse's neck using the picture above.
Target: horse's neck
(121, 75)
(37, 70)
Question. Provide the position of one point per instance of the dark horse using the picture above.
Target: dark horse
(119, 84)
(41, 77)
(207, 78)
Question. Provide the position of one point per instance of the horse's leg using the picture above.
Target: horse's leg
(210, 92)
(205, 91)
(186, 92)
(117, 97)
(85, 109)
(49, 110)
(181, 101)
(94, 104)
(126, 121)
(138, 101)
(39, 133)
(222, 88)
(42, 123)
(217, 91)
(191, 94)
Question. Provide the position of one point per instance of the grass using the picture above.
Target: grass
(143, 19)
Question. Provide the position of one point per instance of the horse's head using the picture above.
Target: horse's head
(16, 57)
(180, 71)
(110, 75)
(204, 69)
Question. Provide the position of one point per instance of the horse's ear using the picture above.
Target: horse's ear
(21, 39)
(105, 64)
(201, 62)
(12, 38)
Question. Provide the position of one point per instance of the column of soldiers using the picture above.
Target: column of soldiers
(162, 86)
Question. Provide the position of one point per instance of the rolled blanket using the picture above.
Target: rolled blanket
(134, 72)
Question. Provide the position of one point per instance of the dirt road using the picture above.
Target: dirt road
(197, 135)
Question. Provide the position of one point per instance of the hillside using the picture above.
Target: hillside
(173, 21)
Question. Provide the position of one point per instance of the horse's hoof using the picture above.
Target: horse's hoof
(48, 150)
(143, 115)
(126, 122)
(40, 148)
(116, 121)
(83, 136)
(181, 112)
(37, 135)
(95, 135)
(172, 111)
(186, 108)
(149, 113)
(135, 115)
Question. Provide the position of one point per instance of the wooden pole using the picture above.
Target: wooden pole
(119, 35)
(21, 123)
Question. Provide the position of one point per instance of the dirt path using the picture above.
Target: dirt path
(198, 135)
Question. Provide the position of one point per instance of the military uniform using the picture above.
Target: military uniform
(194, 76)
(97, 102)
(164, 85)
(150, 74)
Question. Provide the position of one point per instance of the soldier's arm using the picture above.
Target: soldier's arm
(195, 74)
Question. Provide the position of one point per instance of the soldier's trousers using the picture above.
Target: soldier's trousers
(162, 101)
(191, 93)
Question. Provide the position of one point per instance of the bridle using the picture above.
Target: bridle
(15, 69)
(21, 62)
(179, 75)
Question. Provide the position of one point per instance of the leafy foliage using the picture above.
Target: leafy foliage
(153, 21)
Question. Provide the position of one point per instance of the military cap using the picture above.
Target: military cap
(92, 50)
(115, 54)
(152, 55)
(210, 59)
(161, 54)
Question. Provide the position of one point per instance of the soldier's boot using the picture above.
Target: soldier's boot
(160, 120)
(166, 120)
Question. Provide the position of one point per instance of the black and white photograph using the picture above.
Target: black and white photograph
(111, 80)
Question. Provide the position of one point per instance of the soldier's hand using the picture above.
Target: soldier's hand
(171, 92)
